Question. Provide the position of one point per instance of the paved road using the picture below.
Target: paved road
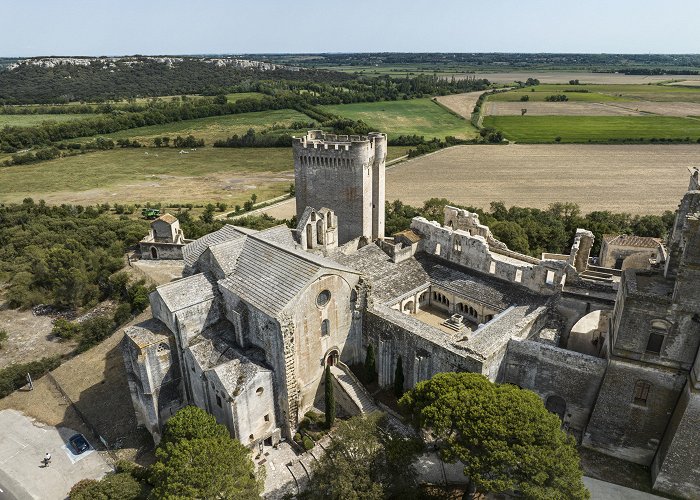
(23, 443)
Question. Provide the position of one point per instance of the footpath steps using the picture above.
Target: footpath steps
(353, 389)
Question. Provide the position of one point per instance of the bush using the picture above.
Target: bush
(94, 331)
(297, 438)
(64, 329)
(122, 314)
(308, 443)
(525, 98)
(15, 376)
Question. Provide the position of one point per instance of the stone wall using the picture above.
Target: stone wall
(163, 251)
(622, 425)
(457, 246)
(553, 372)
(345, 174)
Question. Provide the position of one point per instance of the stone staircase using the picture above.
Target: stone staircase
(353, 388)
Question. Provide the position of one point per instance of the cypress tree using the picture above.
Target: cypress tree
(370, 365)
(330, 398)
(398, 378)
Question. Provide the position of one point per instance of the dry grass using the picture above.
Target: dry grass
(558, 108)
(462, 104)
(641, 179)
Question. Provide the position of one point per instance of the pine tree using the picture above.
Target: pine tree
(330, 399)
(398, 378)
(370, 365)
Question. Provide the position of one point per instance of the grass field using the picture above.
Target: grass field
(539, 129)
(132, 176)
(415, 116)
(214, 127)
(639, 179)
(30, 120)
(604, 93)
(244, 95)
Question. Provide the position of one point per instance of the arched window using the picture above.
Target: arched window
(325, 327)
(641, 392)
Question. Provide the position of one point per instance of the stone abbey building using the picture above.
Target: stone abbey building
(248, 330)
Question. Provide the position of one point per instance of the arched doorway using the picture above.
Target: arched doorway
(557, 405)
(408, 307)
(154, 253)
(331, 358)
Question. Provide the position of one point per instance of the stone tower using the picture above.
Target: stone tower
(346, 174)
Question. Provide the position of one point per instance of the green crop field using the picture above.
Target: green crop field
(214, 127)
(604, 93)
(30, 120)
(416, 116)
(539, 129)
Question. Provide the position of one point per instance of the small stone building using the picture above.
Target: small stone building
(630, 252)
(164, 241)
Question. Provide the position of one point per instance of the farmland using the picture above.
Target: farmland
(596, 113)
(142, 175)
(407, 117)
(215, 127)
(543, 129)
(31, 120)
(639, 179)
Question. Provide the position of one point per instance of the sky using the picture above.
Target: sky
(127, 27)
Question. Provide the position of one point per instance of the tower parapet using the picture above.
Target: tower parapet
(346, 174)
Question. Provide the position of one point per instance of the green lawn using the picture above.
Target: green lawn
(214, 127)
(244, 95)
(30, 120)
(414, 116)
(538, 129)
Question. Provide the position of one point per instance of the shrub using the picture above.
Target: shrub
(122, 314)
(64, 329)
(525, 98)
(94, 331)
(15, 376)
(308, 443)
(297, 438)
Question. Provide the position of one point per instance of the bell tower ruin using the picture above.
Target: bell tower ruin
(346, 174)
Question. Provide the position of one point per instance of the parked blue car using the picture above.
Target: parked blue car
(79, 444)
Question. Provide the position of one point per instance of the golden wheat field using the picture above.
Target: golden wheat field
(640, 179)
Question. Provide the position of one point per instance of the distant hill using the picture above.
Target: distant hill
(66, 79)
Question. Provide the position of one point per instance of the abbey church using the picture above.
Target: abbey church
(248, 330)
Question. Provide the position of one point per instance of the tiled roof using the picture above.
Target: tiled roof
(187, 292)
(279, 235)
(269, 276)
(192, 251)
(631, 240)
(166, 218)
(225, 255)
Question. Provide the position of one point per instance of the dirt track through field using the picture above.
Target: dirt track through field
(640, 179)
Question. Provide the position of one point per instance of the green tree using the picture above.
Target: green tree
(119, 486)
(505, 437)
(366, 460)
(370, 365)
(198, 459)
(330, 398)
(512, 235)
(158, 142)
(398, 378)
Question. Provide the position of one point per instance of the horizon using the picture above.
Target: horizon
(36, 27)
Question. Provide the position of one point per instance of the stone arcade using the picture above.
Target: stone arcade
(248, 330)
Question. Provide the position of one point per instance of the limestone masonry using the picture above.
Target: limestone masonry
(248, 330)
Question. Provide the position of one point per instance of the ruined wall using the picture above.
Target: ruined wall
(550, 371)
(459, 247)
(624, 427)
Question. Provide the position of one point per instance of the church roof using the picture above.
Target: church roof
(192, 251)
(187, 292)
(166, 218)
(269, 275)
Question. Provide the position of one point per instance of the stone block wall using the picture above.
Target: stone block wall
(553, 372)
